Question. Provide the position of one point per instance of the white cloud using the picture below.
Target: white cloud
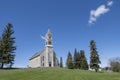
(110, 3)
(94, 14)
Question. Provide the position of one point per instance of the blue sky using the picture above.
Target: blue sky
(73, 24)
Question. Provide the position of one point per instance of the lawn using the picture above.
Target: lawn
(56, 74)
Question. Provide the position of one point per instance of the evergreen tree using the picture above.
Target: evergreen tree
(1, 53)
(76, 59)
(69, 61)
(83, 61)
(7, 46)
(94, 57)
(61, 62)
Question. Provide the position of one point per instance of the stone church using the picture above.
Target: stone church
(46, 57)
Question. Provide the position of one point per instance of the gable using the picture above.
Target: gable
(37, 54)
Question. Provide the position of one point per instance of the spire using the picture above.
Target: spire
(49, 32)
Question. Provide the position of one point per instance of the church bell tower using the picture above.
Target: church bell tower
(49, 49)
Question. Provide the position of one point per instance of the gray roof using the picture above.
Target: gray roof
(37, 54)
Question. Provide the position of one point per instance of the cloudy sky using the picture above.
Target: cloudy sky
(73, 24)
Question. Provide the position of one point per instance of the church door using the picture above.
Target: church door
(49, 64)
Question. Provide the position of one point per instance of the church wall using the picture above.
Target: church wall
(34, 62)
(43, 59)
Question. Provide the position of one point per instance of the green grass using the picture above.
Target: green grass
(55, 74)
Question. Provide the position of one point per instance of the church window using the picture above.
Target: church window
(43, 58)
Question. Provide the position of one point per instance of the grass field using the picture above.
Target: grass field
(56, 74)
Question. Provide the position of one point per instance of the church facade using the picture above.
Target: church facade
(46, 57)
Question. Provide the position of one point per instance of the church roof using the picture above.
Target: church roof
(37, 54)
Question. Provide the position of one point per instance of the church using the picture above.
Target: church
(46, 57)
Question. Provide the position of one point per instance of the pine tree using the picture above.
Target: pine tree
(69, 61)
(7, 46)
(61, 62)
(76, 59)
(1, 53)
(83, 61)
(94, 57)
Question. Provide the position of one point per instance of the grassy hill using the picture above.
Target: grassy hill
(55, 74)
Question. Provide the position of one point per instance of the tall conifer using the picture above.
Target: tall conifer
(69, 61)
(75, 58)
(61, 62)
(7, 46)
(83, 61)
(94, 57)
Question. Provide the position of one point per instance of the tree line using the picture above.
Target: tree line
(79, 60)
(7, 47)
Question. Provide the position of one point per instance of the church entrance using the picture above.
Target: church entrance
(49, 64)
